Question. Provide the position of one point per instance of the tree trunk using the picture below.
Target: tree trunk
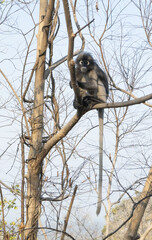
(34, 175)
(131, 233)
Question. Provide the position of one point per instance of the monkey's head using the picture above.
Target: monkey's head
(85, 62)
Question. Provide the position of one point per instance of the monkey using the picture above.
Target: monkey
(94, 88)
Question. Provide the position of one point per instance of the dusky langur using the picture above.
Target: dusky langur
(94, 89)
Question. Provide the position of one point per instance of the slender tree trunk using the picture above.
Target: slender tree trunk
(22, 188)
(34, 175)
(131, 233)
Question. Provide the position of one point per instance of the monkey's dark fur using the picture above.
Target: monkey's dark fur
(94, 88)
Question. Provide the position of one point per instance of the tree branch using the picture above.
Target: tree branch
(10, 188)
(123, 104)
(18, 99)
(71, 36)
(84, 27)
(68, 213)
(56, 138)
(64, 131)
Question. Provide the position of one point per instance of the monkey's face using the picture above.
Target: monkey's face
(85, 62)
(84, 65)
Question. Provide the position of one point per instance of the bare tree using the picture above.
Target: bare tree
(58, 149)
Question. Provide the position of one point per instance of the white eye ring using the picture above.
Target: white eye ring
(88, 62)
(81, 62)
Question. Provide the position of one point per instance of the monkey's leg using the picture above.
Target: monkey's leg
(76, 104)
(90, 101)
(100, 115)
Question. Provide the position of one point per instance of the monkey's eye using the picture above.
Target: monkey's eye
(88, 62)
(81, 62)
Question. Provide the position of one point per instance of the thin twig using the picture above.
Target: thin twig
(30, 79)
(18, 99)
(9, 188)
(84, 27)
(55, 230)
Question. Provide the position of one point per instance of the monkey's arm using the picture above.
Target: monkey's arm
(91, 85)
(70, 84)
(103, 78)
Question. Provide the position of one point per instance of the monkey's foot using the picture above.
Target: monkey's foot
(76, 105)
(87, 101)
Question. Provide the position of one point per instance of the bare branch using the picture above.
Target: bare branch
(56, 138)
(59, 62)
(30, 79)
(68, 213)
(84, 27)
(10, 189)
(123, 104)
(18, 99)
(77, 24)
(71, 36)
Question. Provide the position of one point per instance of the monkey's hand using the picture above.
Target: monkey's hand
(81, 84)
(76, 105)
(87, 102)
(70, 84)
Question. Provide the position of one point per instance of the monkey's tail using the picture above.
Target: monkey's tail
(100, 116)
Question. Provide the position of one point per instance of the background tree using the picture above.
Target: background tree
(56, 148)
